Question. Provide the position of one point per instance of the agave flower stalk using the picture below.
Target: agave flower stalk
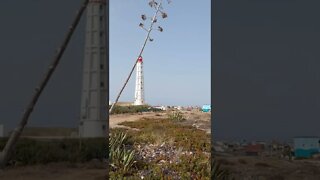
(158, 7)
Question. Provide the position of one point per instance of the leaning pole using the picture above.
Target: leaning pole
(6, 153)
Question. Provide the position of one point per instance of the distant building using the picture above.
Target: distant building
(163, 108)
(306, 146)
(177, 107)
(206, 108)
(1, 130)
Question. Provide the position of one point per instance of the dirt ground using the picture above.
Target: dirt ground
(267, 168)
(61, 171)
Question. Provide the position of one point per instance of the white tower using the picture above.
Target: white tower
(93, 117)
(139, 92)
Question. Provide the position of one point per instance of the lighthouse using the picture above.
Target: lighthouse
(139, 92)
(93, 117)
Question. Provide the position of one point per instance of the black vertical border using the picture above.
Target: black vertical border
(108, 86)
(213, 107)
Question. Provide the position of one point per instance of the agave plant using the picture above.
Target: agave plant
(121, 158)
(116, 140)
(217, 173)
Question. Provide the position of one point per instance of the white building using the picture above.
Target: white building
(93, 117)
(163, 108)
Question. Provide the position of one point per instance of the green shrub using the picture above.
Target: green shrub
(121, 158)
(116, 141)
(152, 131)
(133, 109)
(176, 116)
(32, 151)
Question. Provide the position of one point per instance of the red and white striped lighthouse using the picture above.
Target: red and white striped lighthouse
(139, 92)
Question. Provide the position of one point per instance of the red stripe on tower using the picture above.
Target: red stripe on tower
(140, 59)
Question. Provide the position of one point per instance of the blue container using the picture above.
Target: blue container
(206, 108)
(305, 147)
(305, 153)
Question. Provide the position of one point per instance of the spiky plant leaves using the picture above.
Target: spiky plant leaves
(128, 160)
(121, 159)
(217, 173)
(117, 140)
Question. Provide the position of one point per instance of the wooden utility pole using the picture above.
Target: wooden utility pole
(9, 147)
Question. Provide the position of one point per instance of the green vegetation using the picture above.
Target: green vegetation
(133, 109)
(157, 131)
(217, 172)
(176, 116)
(189, 146)
(121, 158)
(49, 131)
(31, 151)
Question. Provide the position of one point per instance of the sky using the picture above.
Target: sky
(266, 78)
(32, 31)
(176, 64)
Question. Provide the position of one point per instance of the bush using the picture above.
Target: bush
(31, 151)
(133, 109)
(176, 116)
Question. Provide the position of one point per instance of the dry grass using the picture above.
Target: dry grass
(164, 130)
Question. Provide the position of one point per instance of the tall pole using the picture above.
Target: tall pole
(141, 51)
(9, 147)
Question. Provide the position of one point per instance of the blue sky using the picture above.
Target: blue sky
(176, 64)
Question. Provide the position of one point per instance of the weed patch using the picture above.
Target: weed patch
(166, 149)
